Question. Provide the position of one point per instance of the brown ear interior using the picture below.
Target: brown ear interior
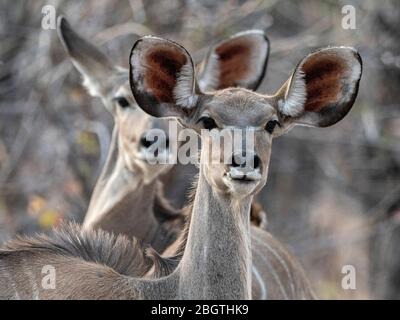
(163, 65)
(325, 77)
(234, 58)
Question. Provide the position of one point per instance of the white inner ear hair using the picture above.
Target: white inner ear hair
(353, 72)
(92, 86)
(295, 96)
(184, 89)
(210, 78)
(258, 56)
(137, 68)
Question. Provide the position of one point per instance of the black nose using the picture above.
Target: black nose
(256, 163)
(167, 143)
(243, 160)
(146, 143)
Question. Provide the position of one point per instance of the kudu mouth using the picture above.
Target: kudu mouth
(238, 175)
(245, 167)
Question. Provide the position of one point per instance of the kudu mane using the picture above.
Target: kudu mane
(125, 256)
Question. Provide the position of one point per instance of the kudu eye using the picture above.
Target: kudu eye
(123, 102)
(208, 123)
(270, 126)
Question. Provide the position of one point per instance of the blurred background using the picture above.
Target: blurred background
(333, 195)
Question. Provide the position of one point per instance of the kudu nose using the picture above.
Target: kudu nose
(167, 143)
(144, 142)
(245, 160)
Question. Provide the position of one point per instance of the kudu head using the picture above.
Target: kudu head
(111, 84)
(319, 93)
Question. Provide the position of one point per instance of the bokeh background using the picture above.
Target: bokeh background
(333, 195)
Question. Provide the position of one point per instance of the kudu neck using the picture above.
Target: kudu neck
(121, 200)
(216, 263)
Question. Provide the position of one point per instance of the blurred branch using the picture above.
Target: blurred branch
(24, 134)
(103, 136)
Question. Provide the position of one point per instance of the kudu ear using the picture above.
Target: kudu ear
(239, 61)
(162, 78)
(322, 88)
(94, 66)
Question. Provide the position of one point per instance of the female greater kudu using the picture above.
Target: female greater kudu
(221, 248)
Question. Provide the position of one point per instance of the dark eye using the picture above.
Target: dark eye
(270, 126)
(123, 102)
(208, 123)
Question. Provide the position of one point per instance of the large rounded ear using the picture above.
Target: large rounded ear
(94, 66)
(239, 61)
(162, 78)
(322, 89)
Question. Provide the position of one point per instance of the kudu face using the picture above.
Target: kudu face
(111, 84)
(134, 137)
(319, 93)
(237, 148)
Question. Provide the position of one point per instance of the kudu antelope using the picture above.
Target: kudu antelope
(128, 196)
(220, 247)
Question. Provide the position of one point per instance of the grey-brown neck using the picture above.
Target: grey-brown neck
(216, 263)
(123, 203)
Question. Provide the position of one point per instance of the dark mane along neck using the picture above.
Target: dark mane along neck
(125, 256)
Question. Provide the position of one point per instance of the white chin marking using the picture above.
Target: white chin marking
(238, 173)
(235, 173)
